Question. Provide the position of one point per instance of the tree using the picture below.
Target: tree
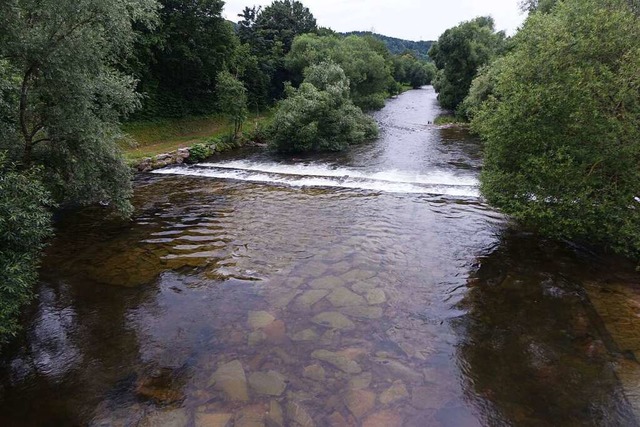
(562, 127)
(232, 96)
(459, 53)
(177, 62)
(319, 116)
(366, 68)
(65, 98)
(25, 222)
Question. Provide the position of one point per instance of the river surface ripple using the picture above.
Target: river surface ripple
(369, 288)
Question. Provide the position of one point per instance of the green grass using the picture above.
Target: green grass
(151, 138)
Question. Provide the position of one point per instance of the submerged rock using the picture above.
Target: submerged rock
(231, 380)
(361, 381)
(251, 416)
(342, 297)
(383, 419)
(203, 419)
(275, 417)
(397, 369)
(376, 296)
(306, 335)
(259, 319)
(339, 361)
(271, 383)
(333, 320)
(298, 414)
(172, 418)
(311, 297)
(364, 312)
(395, 393)
(327, 282)
(314, 372)
(360, 401)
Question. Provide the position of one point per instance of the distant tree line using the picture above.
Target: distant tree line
(558, 106)
(419, 49)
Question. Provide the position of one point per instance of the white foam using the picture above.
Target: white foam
(318, 175)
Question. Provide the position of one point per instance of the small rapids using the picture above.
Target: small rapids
(322, 175)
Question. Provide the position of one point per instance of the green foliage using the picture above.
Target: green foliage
(481, 89)
(409, 70)
(178, 61)
(419, 50)
(199, 152)
(269, 33)
(319, 116)
(25, 223)
(232, 98)
(563, 125)
(64, 95)
(365, 66)
(459, 53)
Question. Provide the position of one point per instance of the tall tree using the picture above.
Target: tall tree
(459, 53)
(562, 125)
(64, 94)
(181, 58)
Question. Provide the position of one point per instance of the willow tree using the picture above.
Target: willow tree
(562, 125)
(64, 96)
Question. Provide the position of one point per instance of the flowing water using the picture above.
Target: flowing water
(370, 288)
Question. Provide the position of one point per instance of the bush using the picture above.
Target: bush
(319, 116)
(198, 153)
(562, 127)
(25, 223)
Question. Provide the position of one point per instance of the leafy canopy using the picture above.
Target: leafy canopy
(459, 53)
(319, 116)
(563, 125)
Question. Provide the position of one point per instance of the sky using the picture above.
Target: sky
(405, 19)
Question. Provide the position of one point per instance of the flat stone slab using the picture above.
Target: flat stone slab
(343, 297)
(259, 319)
(333, 320)
(327, 282)
(270, 383)
(230, 379)
(339, 361)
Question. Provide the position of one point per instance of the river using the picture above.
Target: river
(369, 288)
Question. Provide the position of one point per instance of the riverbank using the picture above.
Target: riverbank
(155, 144)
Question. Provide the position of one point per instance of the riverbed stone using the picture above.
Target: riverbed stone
(307, 299)
(171, 418)
(361, 381)
(203, 419)
(305, 335)
(363, 312)
(299, 414)
(270, 383)
(251, 416)
(339, 361)
(358, 275)
(343, 297)
(333, 320)
(360, 401)
(395, 393)
(275, 416)
(383, 419)
(327, 282)
(256, 337)
(282, 299)
(259, 319)
(275, 332)
(376, 296)
(231, 380)
(398, 369)
(314, 372)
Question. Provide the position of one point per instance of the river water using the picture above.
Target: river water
(373, 288)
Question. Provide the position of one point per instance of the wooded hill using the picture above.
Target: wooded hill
(399, 46)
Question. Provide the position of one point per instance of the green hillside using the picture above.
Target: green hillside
(398, 46)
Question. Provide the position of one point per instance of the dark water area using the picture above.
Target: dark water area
(368, 288)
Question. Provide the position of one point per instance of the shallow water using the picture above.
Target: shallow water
(370, 288)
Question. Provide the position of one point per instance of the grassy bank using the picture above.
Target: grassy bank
(161, 136)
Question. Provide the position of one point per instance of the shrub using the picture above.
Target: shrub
(25, 223)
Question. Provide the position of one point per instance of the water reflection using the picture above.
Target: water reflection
(534, 351)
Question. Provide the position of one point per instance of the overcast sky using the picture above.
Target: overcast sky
(406, 19)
